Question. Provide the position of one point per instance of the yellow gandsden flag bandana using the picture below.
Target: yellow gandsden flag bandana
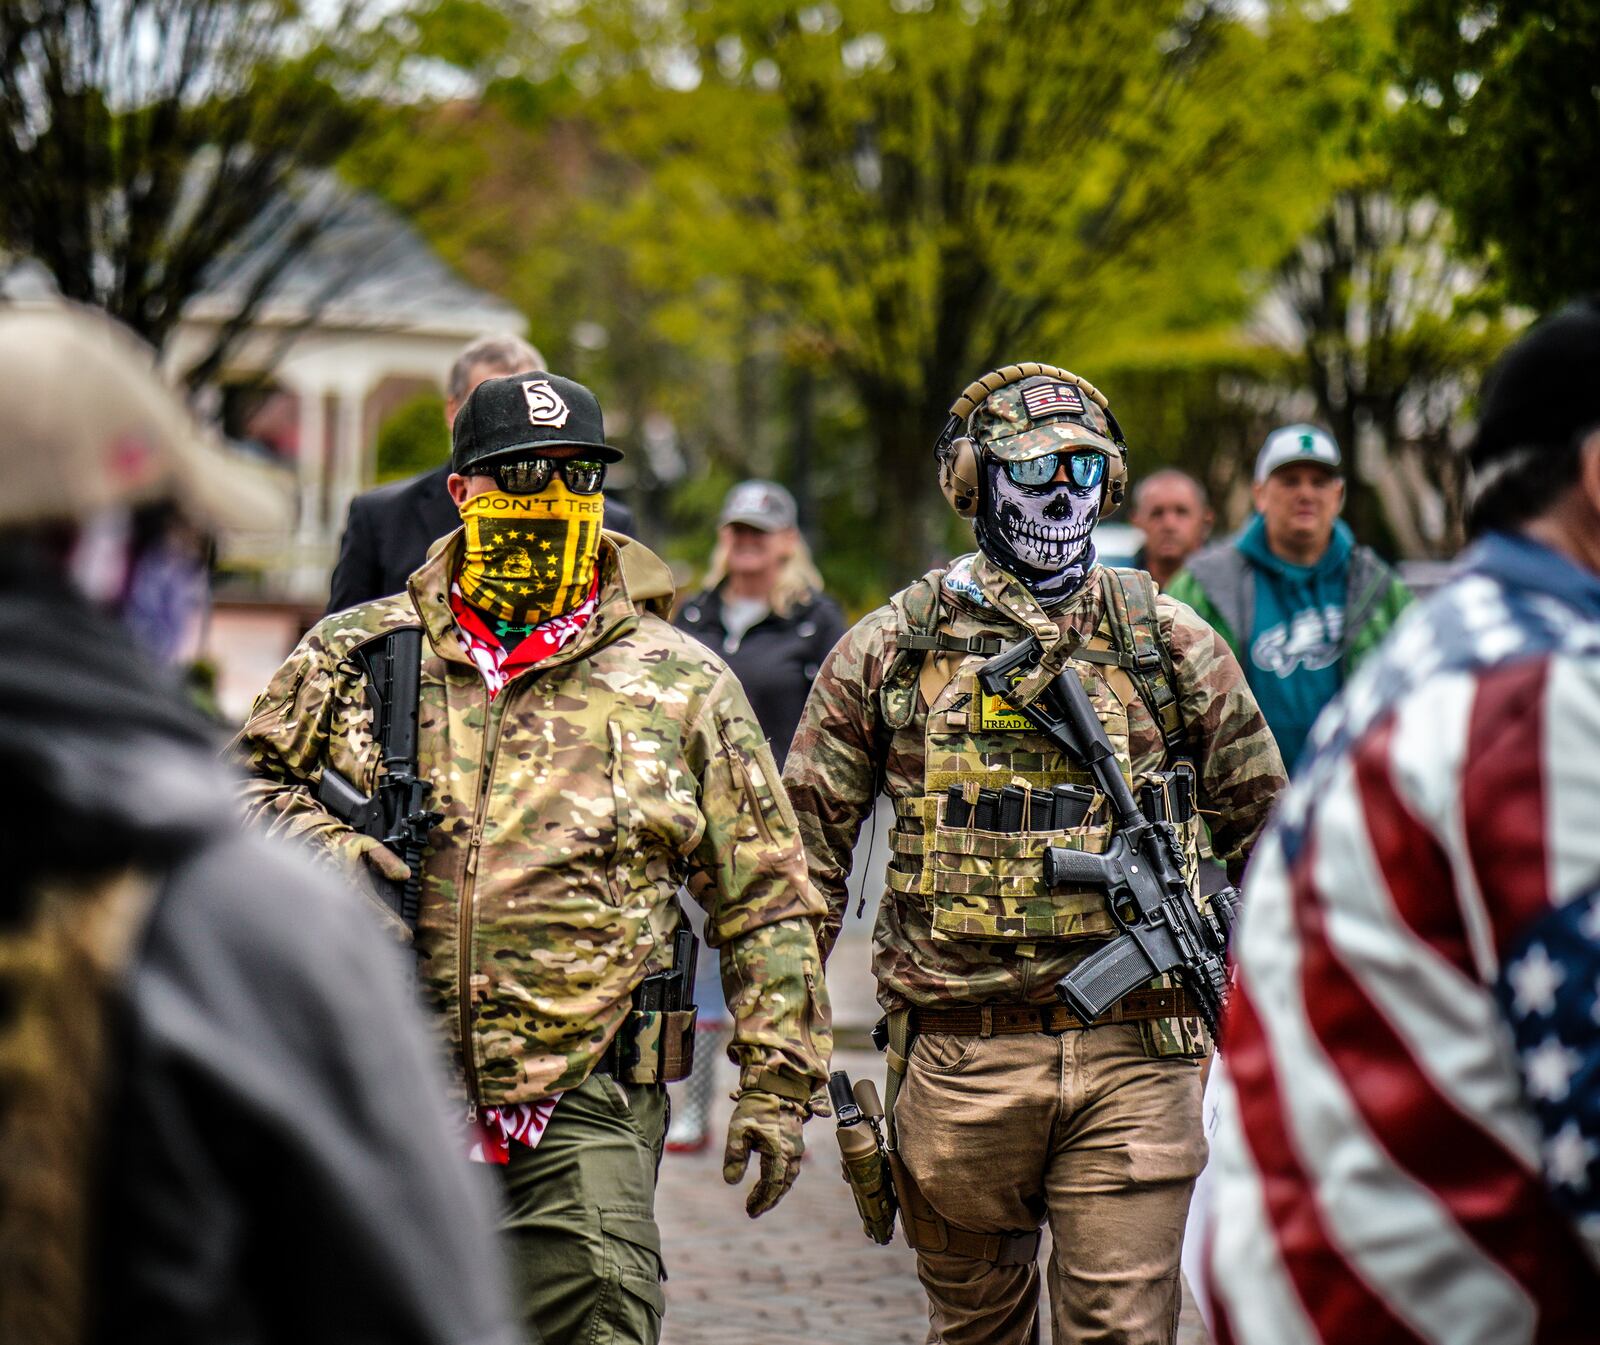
(530, 557)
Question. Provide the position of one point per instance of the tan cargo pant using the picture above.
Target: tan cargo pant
(1084, 1129)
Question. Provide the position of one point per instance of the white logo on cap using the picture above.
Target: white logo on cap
(545, 406)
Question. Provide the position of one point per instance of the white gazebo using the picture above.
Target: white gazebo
(368, 315)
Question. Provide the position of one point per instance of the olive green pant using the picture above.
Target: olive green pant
(579, 1218)
(1083, 1130)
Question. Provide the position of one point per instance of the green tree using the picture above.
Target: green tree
(921, 191)
(152, 149)
(1202, 404)
(412, 438)
(1389, 321)
(1386, 318)
(1502, 122)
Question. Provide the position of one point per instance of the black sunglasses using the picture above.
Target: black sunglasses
(528, 476)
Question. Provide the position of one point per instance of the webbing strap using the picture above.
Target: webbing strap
(943, 642)
(899, 1024)
(1002, 1249)
(1109, 658)
(1132, 614)
(907, 843)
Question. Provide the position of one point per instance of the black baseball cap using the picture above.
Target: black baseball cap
(524, 413)
(1545, 389)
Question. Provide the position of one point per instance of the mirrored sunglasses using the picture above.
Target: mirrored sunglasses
(1086, 468)
(528, 476)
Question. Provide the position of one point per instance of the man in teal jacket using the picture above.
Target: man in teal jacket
(1300, 602)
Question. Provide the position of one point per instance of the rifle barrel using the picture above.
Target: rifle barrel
(1095, 748)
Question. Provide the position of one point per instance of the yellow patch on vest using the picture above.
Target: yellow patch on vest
(996, 714)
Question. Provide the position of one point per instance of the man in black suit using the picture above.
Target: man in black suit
(389, 530)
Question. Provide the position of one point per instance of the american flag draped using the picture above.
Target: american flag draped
(1409, 1142)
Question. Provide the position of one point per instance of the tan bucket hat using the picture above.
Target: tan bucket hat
(86, 423)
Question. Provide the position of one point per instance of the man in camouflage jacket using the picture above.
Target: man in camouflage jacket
(1007, 1110)
(576, 796)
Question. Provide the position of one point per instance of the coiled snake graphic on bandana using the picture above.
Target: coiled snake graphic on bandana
(530, 557)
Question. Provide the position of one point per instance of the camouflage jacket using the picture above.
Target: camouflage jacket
(844, 749)
(575, 804)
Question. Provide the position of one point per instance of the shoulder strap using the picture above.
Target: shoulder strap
(1130, 603)
(916, 611)
(942, 642)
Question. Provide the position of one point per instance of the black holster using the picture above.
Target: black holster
(655, 1044)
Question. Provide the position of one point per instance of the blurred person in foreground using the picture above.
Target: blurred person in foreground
(1004, 1108)
(586, 760)
(219, 1114)
(1296, 597)
(389, 529)
(1409, 1145)
(764, 611)
(1171, 509)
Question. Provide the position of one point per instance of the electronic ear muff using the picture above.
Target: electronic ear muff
(959, 461)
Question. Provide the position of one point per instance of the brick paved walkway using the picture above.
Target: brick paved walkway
(803, 1274)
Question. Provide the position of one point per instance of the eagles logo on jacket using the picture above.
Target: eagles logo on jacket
(575, 803)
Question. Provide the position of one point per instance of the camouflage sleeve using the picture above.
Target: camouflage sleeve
(778, 1000)
(750, 875)
(832, 768)
(1241, 772)
(285, 743)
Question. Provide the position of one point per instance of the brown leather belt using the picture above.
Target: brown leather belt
(996, 1020)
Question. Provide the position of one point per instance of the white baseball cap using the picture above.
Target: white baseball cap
(1297, 443)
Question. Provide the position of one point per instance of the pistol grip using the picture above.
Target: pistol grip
(1064, 866)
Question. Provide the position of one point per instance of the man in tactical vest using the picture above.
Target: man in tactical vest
(219, 1111)
(1004, 1108)
(581, 760)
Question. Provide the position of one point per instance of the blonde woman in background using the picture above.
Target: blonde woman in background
(763, 610)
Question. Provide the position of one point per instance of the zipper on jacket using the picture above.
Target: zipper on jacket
(464, 908)
(277, 708)
(741, 768)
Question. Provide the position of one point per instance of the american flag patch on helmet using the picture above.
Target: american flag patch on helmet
(1052, 399)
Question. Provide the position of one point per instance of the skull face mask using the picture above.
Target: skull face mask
(1043, 534)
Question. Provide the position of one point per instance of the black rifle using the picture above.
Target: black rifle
(397, 814)
(1141, 874)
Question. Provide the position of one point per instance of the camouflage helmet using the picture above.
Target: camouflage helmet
(89, 425)
(1040, 415)
(1024, 411)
